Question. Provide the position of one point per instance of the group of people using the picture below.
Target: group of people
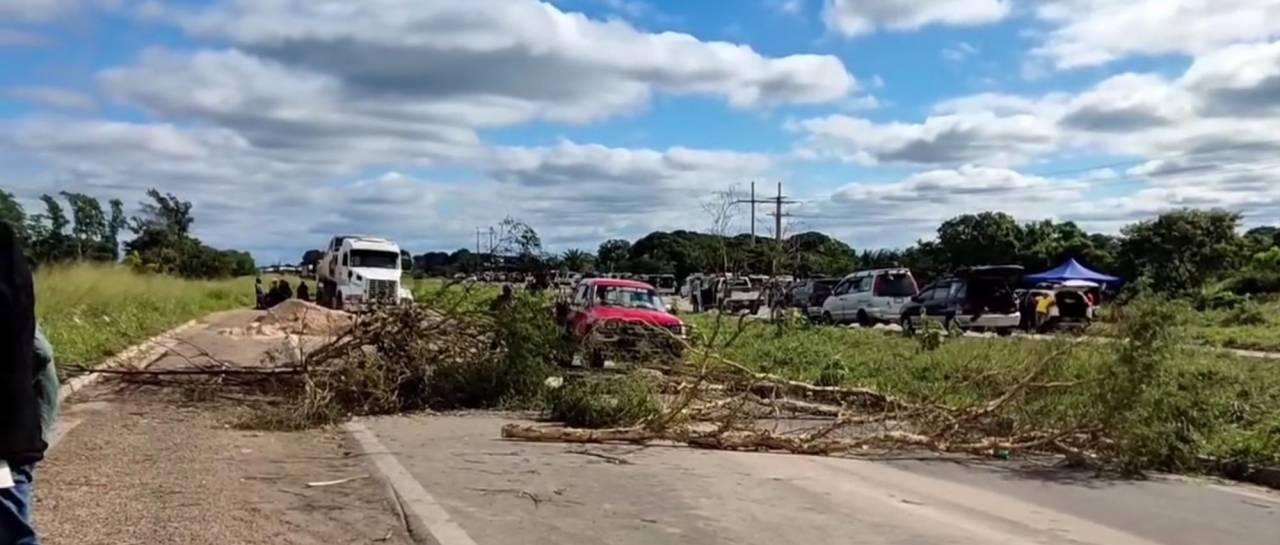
(280, 292)
(28, 391)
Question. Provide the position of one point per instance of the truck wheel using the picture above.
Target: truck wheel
(595, 359)
(863, 319)
(1004, 331)
(909, 324)
(755, 308)
(827, 319)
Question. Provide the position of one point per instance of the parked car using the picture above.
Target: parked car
(619, 318)
(1068, 305)
(870, 297)
(974, 298)
(815, 294)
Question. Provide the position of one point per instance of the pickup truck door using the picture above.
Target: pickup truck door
(578, 305)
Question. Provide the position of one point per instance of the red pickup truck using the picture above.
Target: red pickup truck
(613, 317)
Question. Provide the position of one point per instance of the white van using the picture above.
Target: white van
(870, 297)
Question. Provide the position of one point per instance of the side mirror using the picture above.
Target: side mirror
(917, 299)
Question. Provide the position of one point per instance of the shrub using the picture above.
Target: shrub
(1247, 313)
(1253, 282)
(604, 403)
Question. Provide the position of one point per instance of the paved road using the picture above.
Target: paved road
(501, 492)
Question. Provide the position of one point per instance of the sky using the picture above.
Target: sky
(286, 122)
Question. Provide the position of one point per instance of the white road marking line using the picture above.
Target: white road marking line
(417, 502)
(60, 429)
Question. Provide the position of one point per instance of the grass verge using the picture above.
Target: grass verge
(90, 312)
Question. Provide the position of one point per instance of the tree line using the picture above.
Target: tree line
(162, 240)
(1181, 253)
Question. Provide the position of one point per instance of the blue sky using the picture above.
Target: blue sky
(287, 121)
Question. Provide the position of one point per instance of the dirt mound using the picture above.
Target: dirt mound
(295, 317)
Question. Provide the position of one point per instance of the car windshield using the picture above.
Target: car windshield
(900, 284)
(374, 259)
(628, 297)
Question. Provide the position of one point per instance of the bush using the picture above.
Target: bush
(1246, 313)
(604, 403)
(1157, 411)
(1253, 282)
(1217, 300)
(527, 344)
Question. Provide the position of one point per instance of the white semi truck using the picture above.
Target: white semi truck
(357, 271)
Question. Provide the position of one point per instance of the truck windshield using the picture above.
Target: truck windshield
(374, 259)
(619, 296)
(900, 284)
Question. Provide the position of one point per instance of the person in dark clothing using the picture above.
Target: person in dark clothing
(304, 293)
(21, 439)
(286, 292)
(504, 300)
(257, 291)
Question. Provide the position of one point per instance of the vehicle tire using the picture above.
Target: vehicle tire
(863, 319)
(949, 322)
(908, 324)
(827, 319)
(595, 359)
(1004, 331)
(755, 308)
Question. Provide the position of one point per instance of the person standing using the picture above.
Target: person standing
(22, 442)
(257, 291)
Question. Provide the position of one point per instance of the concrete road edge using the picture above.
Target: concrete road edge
(428, 521)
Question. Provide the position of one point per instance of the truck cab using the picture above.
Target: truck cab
(357, 271)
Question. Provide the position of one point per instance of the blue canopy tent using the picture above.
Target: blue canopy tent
(1072, 270)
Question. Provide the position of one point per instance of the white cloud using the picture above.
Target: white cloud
(947, 139)
(56, 97)
(1095, 32)
(574, 194)
(857, 17)
(561, 63)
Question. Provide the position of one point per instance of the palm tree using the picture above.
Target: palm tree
(576, 260)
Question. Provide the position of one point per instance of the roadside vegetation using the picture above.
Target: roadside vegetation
(91, 311)
(1147, 402)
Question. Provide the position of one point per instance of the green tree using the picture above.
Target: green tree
(115, 225)
(1046, 244)
(612, 254)
(1262, 238)
(310, 257)
(12, 213)
(816, 254)
(576, 260)
(90, 228)
(989, 238)
(47, 233)
(1179, 252)
(166, 212)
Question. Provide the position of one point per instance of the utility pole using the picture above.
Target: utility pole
(477, 241)
(778, 214)
(778, 202)
(753, 202)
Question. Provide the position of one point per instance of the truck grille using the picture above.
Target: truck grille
(382, 290)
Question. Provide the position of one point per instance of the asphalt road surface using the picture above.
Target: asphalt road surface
(504, 492)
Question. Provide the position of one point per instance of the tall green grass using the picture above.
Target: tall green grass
(90, 312)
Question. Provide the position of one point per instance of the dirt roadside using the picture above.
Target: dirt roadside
(143, 464)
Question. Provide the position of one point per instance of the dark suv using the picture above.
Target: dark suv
(973, 298)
